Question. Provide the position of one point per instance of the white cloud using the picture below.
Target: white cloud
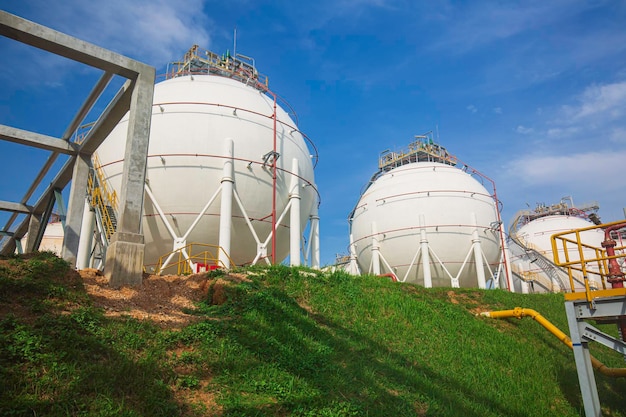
(472, 108)
(607, 101)
(560, 133)
(523, 130)
(618, 135)
(583, 169)
(497, 110)
(152, 31)
(486, 22)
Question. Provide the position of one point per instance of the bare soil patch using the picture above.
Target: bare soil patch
(164, 300)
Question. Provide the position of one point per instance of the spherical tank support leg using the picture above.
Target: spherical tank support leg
(226, 209)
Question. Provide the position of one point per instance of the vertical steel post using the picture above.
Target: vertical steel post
(315, 238)
(294, 216)
(226, 208)
(478, 254)
(86, 237)
(375, 251)
(584, 368)
(428, 280)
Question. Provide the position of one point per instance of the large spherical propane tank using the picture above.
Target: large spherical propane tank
(194, 117)
(429, 205)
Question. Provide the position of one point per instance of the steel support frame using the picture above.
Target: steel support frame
(581, 333)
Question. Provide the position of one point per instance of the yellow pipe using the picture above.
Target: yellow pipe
(520, 313)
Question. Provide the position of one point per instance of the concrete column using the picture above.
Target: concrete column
(294, 216)
(226, 208)
(124, 259)
(34, 224)
(375, 251)
(315, 238)
(478, 255)
(76, 204)
(428, 280)
(86, 237)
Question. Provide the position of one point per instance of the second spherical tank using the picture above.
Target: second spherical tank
(537, 235)
(193, 120)
(428, 202)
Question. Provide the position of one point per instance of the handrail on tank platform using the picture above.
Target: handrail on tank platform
(605, 259)
(209, 257)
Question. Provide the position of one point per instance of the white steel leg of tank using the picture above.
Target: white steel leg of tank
(478, 254)
(428, 280)
(314, 238)
(86, 237)
(179, 241)
(226, 209)
(353, 267)
(375, 265)
(294, 215)
(506, 254)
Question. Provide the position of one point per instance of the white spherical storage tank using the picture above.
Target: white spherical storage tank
(210, 132)
(428, 223)
(536, 235)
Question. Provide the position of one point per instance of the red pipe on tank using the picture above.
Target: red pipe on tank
(393, 277)
(616, 276)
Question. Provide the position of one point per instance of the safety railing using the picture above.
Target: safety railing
(423, 149)
(601, 264)
(102, 199)
(242, 70)
(532, 277)
(191, 259)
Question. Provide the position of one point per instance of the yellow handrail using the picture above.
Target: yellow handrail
(193, 254)
(570, 245)
(101, 197)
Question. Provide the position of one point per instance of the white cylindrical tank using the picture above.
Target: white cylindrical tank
(427, 206)
(537, 235)
(193, 120)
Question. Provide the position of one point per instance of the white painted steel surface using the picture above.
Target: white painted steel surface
(446, 198)
(193, 118)
(537, 235)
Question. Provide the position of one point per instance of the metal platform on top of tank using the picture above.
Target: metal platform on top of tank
(418, 151)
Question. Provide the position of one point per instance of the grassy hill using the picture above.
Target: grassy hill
(286, 342)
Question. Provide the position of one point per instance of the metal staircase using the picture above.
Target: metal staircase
(104, 203)
(546, 265)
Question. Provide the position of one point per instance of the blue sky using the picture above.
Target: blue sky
(530, 93)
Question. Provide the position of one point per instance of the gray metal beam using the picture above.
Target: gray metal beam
(15, 207)
(58, 43)
(36, 140)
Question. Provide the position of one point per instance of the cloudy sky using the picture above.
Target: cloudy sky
(532, 94)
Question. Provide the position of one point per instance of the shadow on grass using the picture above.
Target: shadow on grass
(329, 369)
(60, 357)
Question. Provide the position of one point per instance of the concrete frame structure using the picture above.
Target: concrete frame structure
(124, 260)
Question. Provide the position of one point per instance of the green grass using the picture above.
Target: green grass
(292, 342)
